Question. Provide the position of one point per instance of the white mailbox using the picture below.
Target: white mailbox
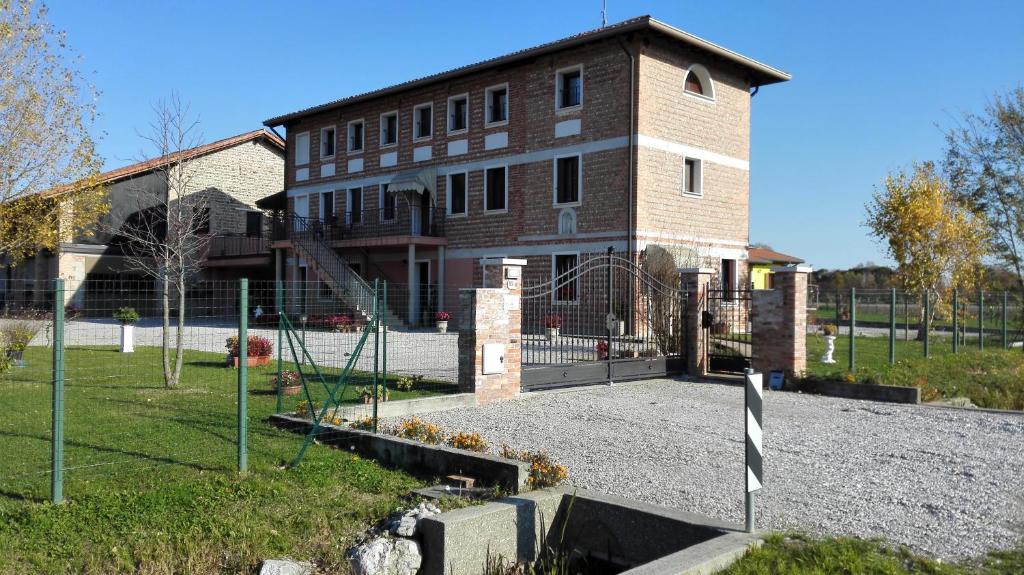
(494, 358)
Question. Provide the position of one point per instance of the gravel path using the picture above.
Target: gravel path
(946, 482)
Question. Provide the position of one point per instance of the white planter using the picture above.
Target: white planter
(830, 348)
(127, 338)
(442, 327)
(552, 333)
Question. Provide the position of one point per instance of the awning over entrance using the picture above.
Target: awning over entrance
(414, 181)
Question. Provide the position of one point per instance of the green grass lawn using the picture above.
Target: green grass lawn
(992, 378)
(150, 476)
(796, 554)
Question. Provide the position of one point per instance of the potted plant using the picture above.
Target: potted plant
(340, 323)
(830, 342)
(552, 323)
(128, 317)
(259, 351)
(16, 335)
(442, 318)
(290, 383)
(602, 350)
(366, 395)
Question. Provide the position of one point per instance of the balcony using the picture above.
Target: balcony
(237, 250)
(403, 224)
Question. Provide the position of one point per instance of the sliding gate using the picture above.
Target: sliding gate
(603, 320)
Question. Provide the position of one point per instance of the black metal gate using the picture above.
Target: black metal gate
(726, 325)
(601, 319)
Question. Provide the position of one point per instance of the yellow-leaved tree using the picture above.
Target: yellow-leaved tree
(937, 241)
(48, 162)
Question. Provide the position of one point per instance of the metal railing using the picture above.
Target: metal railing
(402, 220)
(231, 246)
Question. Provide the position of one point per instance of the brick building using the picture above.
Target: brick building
(231, 174)
(630, 136)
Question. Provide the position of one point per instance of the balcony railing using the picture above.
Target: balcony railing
(367, 224)
(237, 246)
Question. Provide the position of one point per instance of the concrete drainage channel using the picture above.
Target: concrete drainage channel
(608, 534)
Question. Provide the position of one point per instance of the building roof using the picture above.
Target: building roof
(766, 256)
(149, 165)
(761, 74)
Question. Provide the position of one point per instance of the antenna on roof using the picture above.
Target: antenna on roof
(604, 13)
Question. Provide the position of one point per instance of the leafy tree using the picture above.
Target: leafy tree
(937, 241)
(48, 163)
(985, 164)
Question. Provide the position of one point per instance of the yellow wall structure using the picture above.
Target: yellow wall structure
(759, 274)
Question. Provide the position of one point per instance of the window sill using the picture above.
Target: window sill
(422, 139)
(708, 99)
(575, 204)
(569, 109)
(354, 152)
(495, 212)
(386, 146)
(456, 216)
(326, 159)
(496, 124)
(458, 132)
(693, 195)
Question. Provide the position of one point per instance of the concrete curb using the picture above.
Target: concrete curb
(407, 407)
(868, 391)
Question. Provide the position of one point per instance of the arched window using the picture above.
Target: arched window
(698, 82)
(567, 222)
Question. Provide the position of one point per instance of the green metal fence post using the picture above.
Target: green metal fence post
(376, 348)
(384, 337)
(956, 321)
(57, 436)
(892, 325)
(981, 319)
(927, 320)
(279, 296)
(853, 325)
(1006, 338)
(243, 371)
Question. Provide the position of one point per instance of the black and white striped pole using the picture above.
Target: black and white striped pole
(753, 398)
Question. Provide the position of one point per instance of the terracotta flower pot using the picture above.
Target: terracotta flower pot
(252, 361)
(291, 390)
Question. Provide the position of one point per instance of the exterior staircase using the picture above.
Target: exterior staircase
(335, 271)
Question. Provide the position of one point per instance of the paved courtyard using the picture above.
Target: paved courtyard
(946, 482)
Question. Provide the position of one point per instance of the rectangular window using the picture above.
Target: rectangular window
(327, 142)
(389, 129)
(567, 180)
(327, 207)
(692, 180)
(422, 121)
(457, 194)
(355, 136)
(354, 206)
(496, 99)
(496, 189)
(254, 224)
(458, 113)
(566, 288)
(201, 219)
(388, 203)
(302, 149)
(569, 88)
(728, 277)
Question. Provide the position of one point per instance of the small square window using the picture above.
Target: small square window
(355, 136)
(389, 129)
(458, 113)
(569, 88)
(567, 180)
(423, 121)
(692, 177)
(496, 104)
(457, 194)
(495, 189)
(327, 142)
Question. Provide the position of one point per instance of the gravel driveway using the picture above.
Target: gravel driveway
(946, 482)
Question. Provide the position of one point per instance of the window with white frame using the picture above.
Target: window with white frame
(728, 278)
(568, 175)
(327, 207)
(698, 82)
(327, 140)
(569, 88)
(565, 282)
(389, 129)
(693, 177)
(388, 203)
(356, 136)
(354, 206)
(458, 200)
(496, 105)
(302, 149)
(458, 113)
(422, 121)
(496, 189)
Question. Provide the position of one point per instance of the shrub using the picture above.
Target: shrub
(602, 350)
(468, 441)
(543, 471)
(366, 394)
(259, 346)
(17, 334)
(289, 378)
(339, 322)
(419, 430)
(442, 316)
(126, 315)
(553, 321)
(364, 423)
(407, 382)
(302, 409)
(829, 329)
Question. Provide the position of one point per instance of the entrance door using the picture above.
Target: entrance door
(425, 213)
(424, 300)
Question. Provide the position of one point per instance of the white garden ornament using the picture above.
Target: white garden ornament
(127, 338)
(830, 348)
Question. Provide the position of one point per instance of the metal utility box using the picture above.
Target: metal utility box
(494, 358)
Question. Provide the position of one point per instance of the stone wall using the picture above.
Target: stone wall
(779, 323)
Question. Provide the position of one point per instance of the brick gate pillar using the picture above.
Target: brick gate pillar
(490, 324)
(695, 282)
(779, 323)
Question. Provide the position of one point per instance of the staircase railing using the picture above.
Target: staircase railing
(307, 235)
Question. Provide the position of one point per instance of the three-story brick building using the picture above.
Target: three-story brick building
(632, 135)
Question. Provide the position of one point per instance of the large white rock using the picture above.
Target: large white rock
(285, 567)
(384, 556)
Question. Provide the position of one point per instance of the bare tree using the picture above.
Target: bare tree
(164, 234)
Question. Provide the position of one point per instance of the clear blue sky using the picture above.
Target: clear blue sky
(871, 79)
